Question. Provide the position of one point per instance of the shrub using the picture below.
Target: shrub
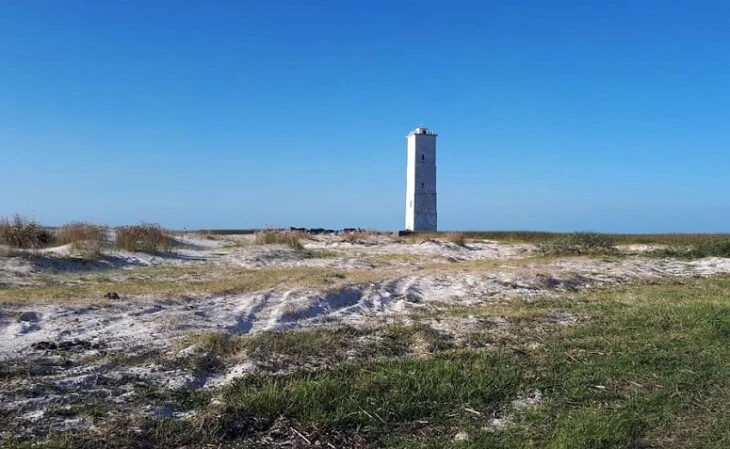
(580, 244)
(145, 237)
(20, 232)
(274, 237)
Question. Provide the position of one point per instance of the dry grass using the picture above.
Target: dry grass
(183, 282)
(145, 237)
(21, 232)
(457, 238)
(275, 237)
(80, 231)
(360, 236)
(88, 239)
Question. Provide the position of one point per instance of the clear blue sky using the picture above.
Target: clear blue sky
(552, 115)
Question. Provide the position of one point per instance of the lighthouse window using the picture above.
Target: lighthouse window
(423, 157)
(422, 185)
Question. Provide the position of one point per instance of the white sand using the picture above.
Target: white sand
(150, 321)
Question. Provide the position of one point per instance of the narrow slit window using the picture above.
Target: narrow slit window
(423, 185)
(423, 157)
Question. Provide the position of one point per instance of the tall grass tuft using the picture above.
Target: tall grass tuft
(580, 244)
(80, 231)
(88, 239)
(275, 237)
(457, 238)
(359, 236)
(21, 232)
(145, 237)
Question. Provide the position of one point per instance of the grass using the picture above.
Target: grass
(340, 343)
(322, 347)
(145, 237)
(81, 232)
(179, 282)
(622, 380)
(216, 342)
(648, 369)
(579, 244)
(538, 237)
(275, 237)
(696, 250)
(226, 231)
(88, 239)
(457, 238)
(24, 233)
(359, 236)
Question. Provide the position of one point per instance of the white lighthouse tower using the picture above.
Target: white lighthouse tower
(421, 180)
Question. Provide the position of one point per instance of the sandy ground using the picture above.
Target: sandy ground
(56, 355)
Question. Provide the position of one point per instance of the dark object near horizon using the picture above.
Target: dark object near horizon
(111, 295)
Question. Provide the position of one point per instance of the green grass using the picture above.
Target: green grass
(537, 237)
(328, 346)
(696, 250)
(648, 367)
(579, 244)
(534, 237)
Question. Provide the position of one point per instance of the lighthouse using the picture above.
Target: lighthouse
(421, 180)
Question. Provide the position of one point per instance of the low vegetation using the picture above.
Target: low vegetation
(276, 237)
(703, 248)
(175, 282)
(81, 232)
(580, 244)
(24, 233)
(145, 237)
(87, 239)
(358, 236)
(645, 368)
(457, 238)
(538, 237)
